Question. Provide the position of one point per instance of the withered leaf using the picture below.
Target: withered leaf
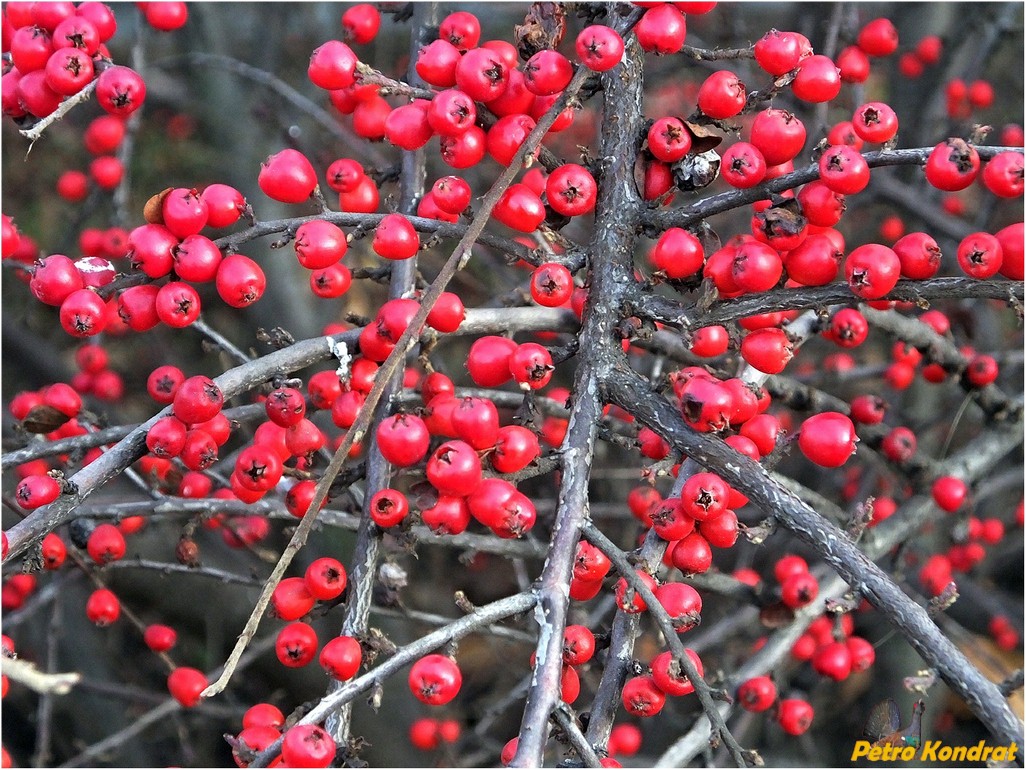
(702, 138)
(776, 615)
(544, 27)
(153, 210)
(43, 419)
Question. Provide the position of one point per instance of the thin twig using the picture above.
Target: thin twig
(24, 672)
(627, 571)
(32, 134)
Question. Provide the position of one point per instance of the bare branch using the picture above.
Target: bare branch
(32, 134)
(24, 672)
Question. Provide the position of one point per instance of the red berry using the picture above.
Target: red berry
(307, 746)
(794, 716)
(296, 645)
(103, 608)
(185, 685)
(757, 694)
(878, 38)
(661, 29)
(287, 176)
(833, 660)
(722, 95)
(949, 493)
(952, 165)
(435, 679)
(642, 697)
(827, 439)
(160, 638)
(341, 658)
(677, 683)
(599, 47)
(818, 79)
(120, 90)
(332, 66)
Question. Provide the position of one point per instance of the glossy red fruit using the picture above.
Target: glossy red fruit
(196, 259)
(160, 638)
(768, 350)
(120, 90)
(599, 47)
(827, 439)
(319, 244)
(853, 64)
(677, 254)
(571, 190)
(291, 599)
(662, 29)
(296, 645)
(778, 135)
(1011, 240)
(325, 578)
(482, 74)
(949, 493)
(1003, 175)
(103, 608)
(676, 683)
(263, 715)
(476, 421)
(590, 564)
(53, 551)
(627, 599)
(757, 694)
(919, 255)
(240, 281)
(488, 360)
(454, 469)
(952, 165)
(979, 255)
(447, 314)
(435, 679)
(332, 66)
(704, 495)
(844, 170)
(799, 590)
(875, 122)
(307, 746)
(878, 38)
(197, 399)
(794, 716)
(833, 660)
(185, 685)
(341, 658)
(818, 79)
(403, 439)
(722, 95)
(642, 697)
(106, 544)
(743, 165)
(395, 238)
(578, 645)
(777, 52)
(520, 208)
(872, 270)
(692, 555)
(287, 176)
(682, 603)
(547, 72)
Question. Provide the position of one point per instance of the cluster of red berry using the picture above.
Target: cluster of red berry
(460, 460)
